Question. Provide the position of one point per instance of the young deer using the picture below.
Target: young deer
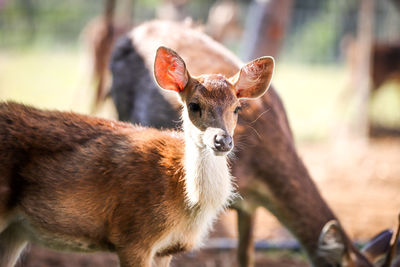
(78, 183)
(269, 171)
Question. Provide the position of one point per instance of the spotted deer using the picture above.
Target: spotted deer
(268, 168)
(79, 183)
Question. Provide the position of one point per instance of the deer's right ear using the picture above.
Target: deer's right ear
(170, 70)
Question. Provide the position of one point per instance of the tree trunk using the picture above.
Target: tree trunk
(365, 40)
(267, 21)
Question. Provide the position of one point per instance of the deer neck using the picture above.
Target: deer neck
(207, 176)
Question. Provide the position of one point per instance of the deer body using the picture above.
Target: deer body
(83, 203)
(78, 183)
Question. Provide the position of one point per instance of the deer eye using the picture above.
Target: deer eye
(237, 109)
(194, 107)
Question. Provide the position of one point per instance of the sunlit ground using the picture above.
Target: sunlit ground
(314, 96)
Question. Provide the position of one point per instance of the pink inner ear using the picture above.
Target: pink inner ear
(251, 75)
(170, 71)
(253, 78)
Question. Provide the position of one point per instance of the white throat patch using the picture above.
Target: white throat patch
(208, 180)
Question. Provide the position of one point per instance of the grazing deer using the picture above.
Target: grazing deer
(269, 170)
(78, 183)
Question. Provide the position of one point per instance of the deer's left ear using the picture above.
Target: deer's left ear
(254, 78)
(170, 70)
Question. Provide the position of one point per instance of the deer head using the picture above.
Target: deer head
(211, 102)
(335, 247)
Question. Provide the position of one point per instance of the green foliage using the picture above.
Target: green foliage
(23, 24)
(27, 23)
(316, 40)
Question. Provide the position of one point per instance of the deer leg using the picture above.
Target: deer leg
(12, 242)
(161, 261)
(133, 258)
(246, 242)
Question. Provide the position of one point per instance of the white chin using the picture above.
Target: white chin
(220, 153)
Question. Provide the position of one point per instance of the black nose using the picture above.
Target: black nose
(223, 142)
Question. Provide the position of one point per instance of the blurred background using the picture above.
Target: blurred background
(338, 73)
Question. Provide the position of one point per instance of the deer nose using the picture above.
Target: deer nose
(223, 142)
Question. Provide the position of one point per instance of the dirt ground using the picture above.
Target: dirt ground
(361, 184)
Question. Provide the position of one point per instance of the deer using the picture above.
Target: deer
(74, 182)
(268, 168)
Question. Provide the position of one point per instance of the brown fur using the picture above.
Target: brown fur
(78, 183)
(269, 170)
(76, 178)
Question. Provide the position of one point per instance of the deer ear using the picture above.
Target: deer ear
(331, 244)
(378, 245)
(254, 78)
(170, 70)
